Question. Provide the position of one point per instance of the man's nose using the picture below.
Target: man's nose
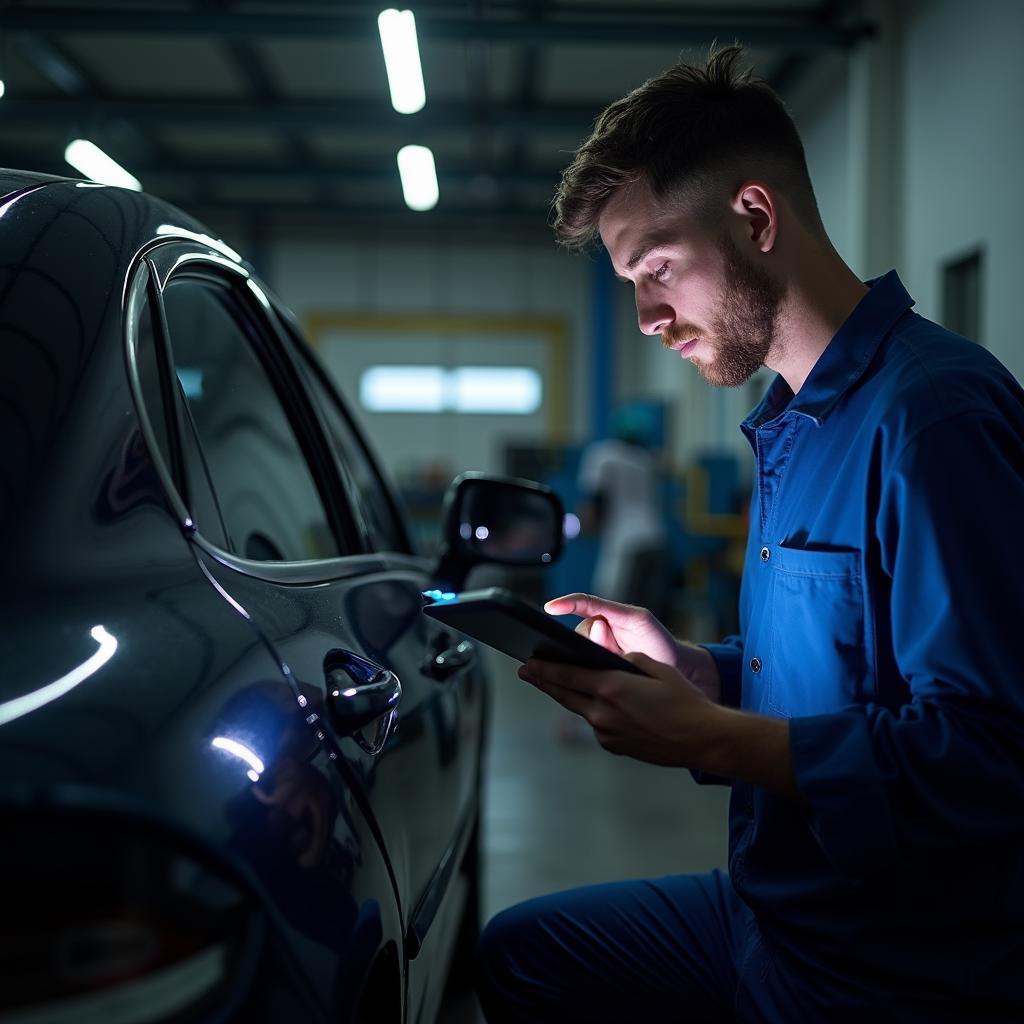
(655, 317)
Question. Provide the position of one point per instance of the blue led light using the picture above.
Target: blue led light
(440, 595)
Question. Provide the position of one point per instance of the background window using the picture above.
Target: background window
(516, 390)
(270, 504)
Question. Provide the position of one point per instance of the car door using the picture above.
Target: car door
(453, 696)
(293, 545)
(247, 765)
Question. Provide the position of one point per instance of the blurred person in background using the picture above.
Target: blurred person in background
(620, 484)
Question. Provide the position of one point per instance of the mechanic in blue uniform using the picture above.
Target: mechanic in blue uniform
(870, 714)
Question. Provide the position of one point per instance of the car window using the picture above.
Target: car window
(203, 502)
(149, 382)
(266, 493)
(365, 483)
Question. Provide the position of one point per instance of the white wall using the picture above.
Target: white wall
(821, 111)
(963, 80)
(952, 83)
(499, 281)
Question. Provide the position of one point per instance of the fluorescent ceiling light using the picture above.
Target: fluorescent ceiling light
(3, 88)
(402, 60)
(88, 158)
(419, 177)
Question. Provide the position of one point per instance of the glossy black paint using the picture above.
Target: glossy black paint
(351, 854)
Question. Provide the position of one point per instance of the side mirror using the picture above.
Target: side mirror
(499, 520)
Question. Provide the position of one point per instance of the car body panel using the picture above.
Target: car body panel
(423, 783)
(212, 656)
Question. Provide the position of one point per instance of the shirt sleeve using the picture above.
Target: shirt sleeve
(943, 767)
(728, 657)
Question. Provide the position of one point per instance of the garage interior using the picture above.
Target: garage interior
(272, 123)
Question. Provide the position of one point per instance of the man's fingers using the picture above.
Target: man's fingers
(654, 668)
(586, 605)
(646, 664)
(564, 677)
(601, 633)
(574, 700)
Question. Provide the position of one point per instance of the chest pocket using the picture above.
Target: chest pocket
(818, 658)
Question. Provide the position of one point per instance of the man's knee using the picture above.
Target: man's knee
(496, 979)
(499, 940)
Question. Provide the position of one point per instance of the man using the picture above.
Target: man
(870, 714)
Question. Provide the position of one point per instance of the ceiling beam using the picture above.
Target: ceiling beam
(530, 218)
(341, 113)
(79, 87)
(455, 173)
(795, 65)
(778, 27)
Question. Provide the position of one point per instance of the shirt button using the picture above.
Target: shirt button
(748, 808)
(765, 554)
(755, 664)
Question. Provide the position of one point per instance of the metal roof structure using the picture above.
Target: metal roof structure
(278, 113)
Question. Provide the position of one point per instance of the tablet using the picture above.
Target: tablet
(501, 620)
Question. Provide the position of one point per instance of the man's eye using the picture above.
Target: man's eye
(660, 273)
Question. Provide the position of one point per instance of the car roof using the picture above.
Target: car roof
(12, 180)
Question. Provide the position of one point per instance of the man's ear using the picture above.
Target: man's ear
(755, 203)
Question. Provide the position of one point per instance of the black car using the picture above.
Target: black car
(239, 768)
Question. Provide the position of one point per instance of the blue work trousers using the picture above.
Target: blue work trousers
(679, 948)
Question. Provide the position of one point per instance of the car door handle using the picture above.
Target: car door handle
(448, 658)
(358, 694)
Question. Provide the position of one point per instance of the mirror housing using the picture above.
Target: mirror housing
(501, 520)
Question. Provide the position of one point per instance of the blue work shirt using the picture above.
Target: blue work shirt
(882, 594)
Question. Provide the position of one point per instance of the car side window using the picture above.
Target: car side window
(379, 516)
(162, 414)
(147, 360)
(267, 496)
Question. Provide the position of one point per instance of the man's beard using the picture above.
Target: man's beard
(744, 330)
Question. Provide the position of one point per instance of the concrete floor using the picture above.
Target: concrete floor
(562, 813)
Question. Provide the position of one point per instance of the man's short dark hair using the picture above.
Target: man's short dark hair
(693, 130)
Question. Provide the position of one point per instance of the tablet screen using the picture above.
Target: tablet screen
(501, 620)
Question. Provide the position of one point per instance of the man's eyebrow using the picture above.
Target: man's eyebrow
(644, 249)
(639, 254)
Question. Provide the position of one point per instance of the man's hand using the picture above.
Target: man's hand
(627, 629)
(663, 718)
(658, 717)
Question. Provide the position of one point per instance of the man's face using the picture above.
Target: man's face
(695, 288)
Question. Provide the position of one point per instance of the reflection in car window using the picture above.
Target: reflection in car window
(386, 533)
(269, 501)
(201, 501)
(149, 381)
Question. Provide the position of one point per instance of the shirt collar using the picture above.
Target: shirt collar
(844, 360)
